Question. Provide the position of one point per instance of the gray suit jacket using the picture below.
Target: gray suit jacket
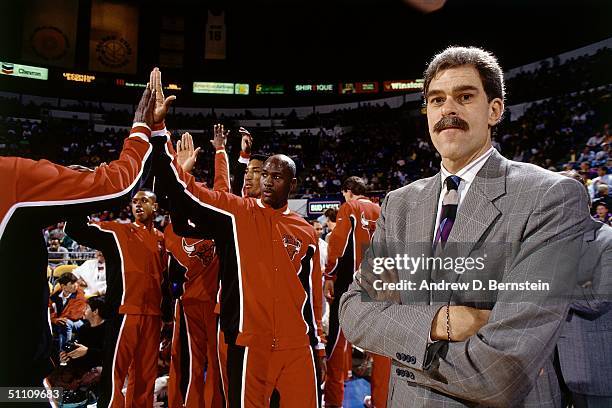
(585, 345)
(532, 221)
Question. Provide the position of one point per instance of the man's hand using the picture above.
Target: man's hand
(78, 352)
(322, 361)
(61, 321)
(161, 105)
(186, 155)
(247, 140)
(328, 290)
(219, 136)
(464, 322)
(63, 357)
(146, 106)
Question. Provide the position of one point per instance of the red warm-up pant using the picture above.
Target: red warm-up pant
(337, 368)
(381, 370)
(251, 374)
(136, 353)
(194, 347)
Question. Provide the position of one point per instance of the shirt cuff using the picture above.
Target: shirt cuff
(140, 130)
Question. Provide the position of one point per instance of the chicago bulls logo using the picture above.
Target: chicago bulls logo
(368, 225)
(203, 249)
(292, 245)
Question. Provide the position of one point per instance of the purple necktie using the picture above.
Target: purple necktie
(449, 209)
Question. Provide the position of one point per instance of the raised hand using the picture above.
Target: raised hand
(186, 155)
(247, 140)
(146, 106)
(162, 105)
(219, 136)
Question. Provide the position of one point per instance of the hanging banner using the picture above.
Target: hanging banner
(215, 37)
(113, 41)
(49, 32)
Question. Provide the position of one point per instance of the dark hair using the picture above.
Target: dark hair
(602, 203)
(98, 303)
(486, 64)
(261, 157)
(355, 185)
(67, 278)
(331, 214)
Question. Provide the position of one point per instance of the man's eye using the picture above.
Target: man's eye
(466, 97)
(436, 101)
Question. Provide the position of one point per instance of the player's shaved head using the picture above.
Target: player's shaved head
(284, 161)
(277, 180)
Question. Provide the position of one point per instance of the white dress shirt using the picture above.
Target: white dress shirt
(467, 175)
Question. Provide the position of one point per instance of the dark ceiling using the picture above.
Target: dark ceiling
(358, 39)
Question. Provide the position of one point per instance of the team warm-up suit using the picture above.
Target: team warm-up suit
(355, 225)
(270, 287)
(194, 341)
(34, 195)
(135, 332)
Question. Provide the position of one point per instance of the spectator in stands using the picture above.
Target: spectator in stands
(601, 196)
(92, 275)
(595, 140)
(90, 338)
(67, 307)
(58, 255)
(602, 213)
(602, 178)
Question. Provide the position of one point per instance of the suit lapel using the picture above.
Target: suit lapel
(423, 216)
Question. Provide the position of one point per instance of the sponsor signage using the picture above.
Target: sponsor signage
(358, 87)
(403, 85)
(224, 88)
(241, 89)
(318, 207)
(24, 71)
(123, 82)
(173, 87)
(213, 87)
(71, 76)
(322, 87)
(269, 89)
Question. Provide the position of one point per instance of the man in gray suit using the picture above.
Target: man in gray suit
(585, 344)
(454, 345)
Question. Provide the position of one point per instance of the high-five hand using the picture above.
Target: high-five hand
(186, 155)
(219, 136)
(146, 106)
(161, 105)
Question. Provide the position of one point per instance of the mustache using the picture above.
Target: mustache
(450, 122)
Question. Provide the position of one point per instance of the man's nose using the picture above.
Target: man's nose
(449, 108)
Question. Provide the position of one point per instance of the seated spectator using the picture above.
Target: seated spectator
(602, 213)
(58, 255)
(602, 178)
(81, 366)
(91, 275)
(67, 307)
(596, 140)
(89, 344)
(601, 196)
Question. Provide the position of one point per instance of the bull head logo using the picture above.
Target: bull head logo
(368, 225)
(292, 245)
(203, 249)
